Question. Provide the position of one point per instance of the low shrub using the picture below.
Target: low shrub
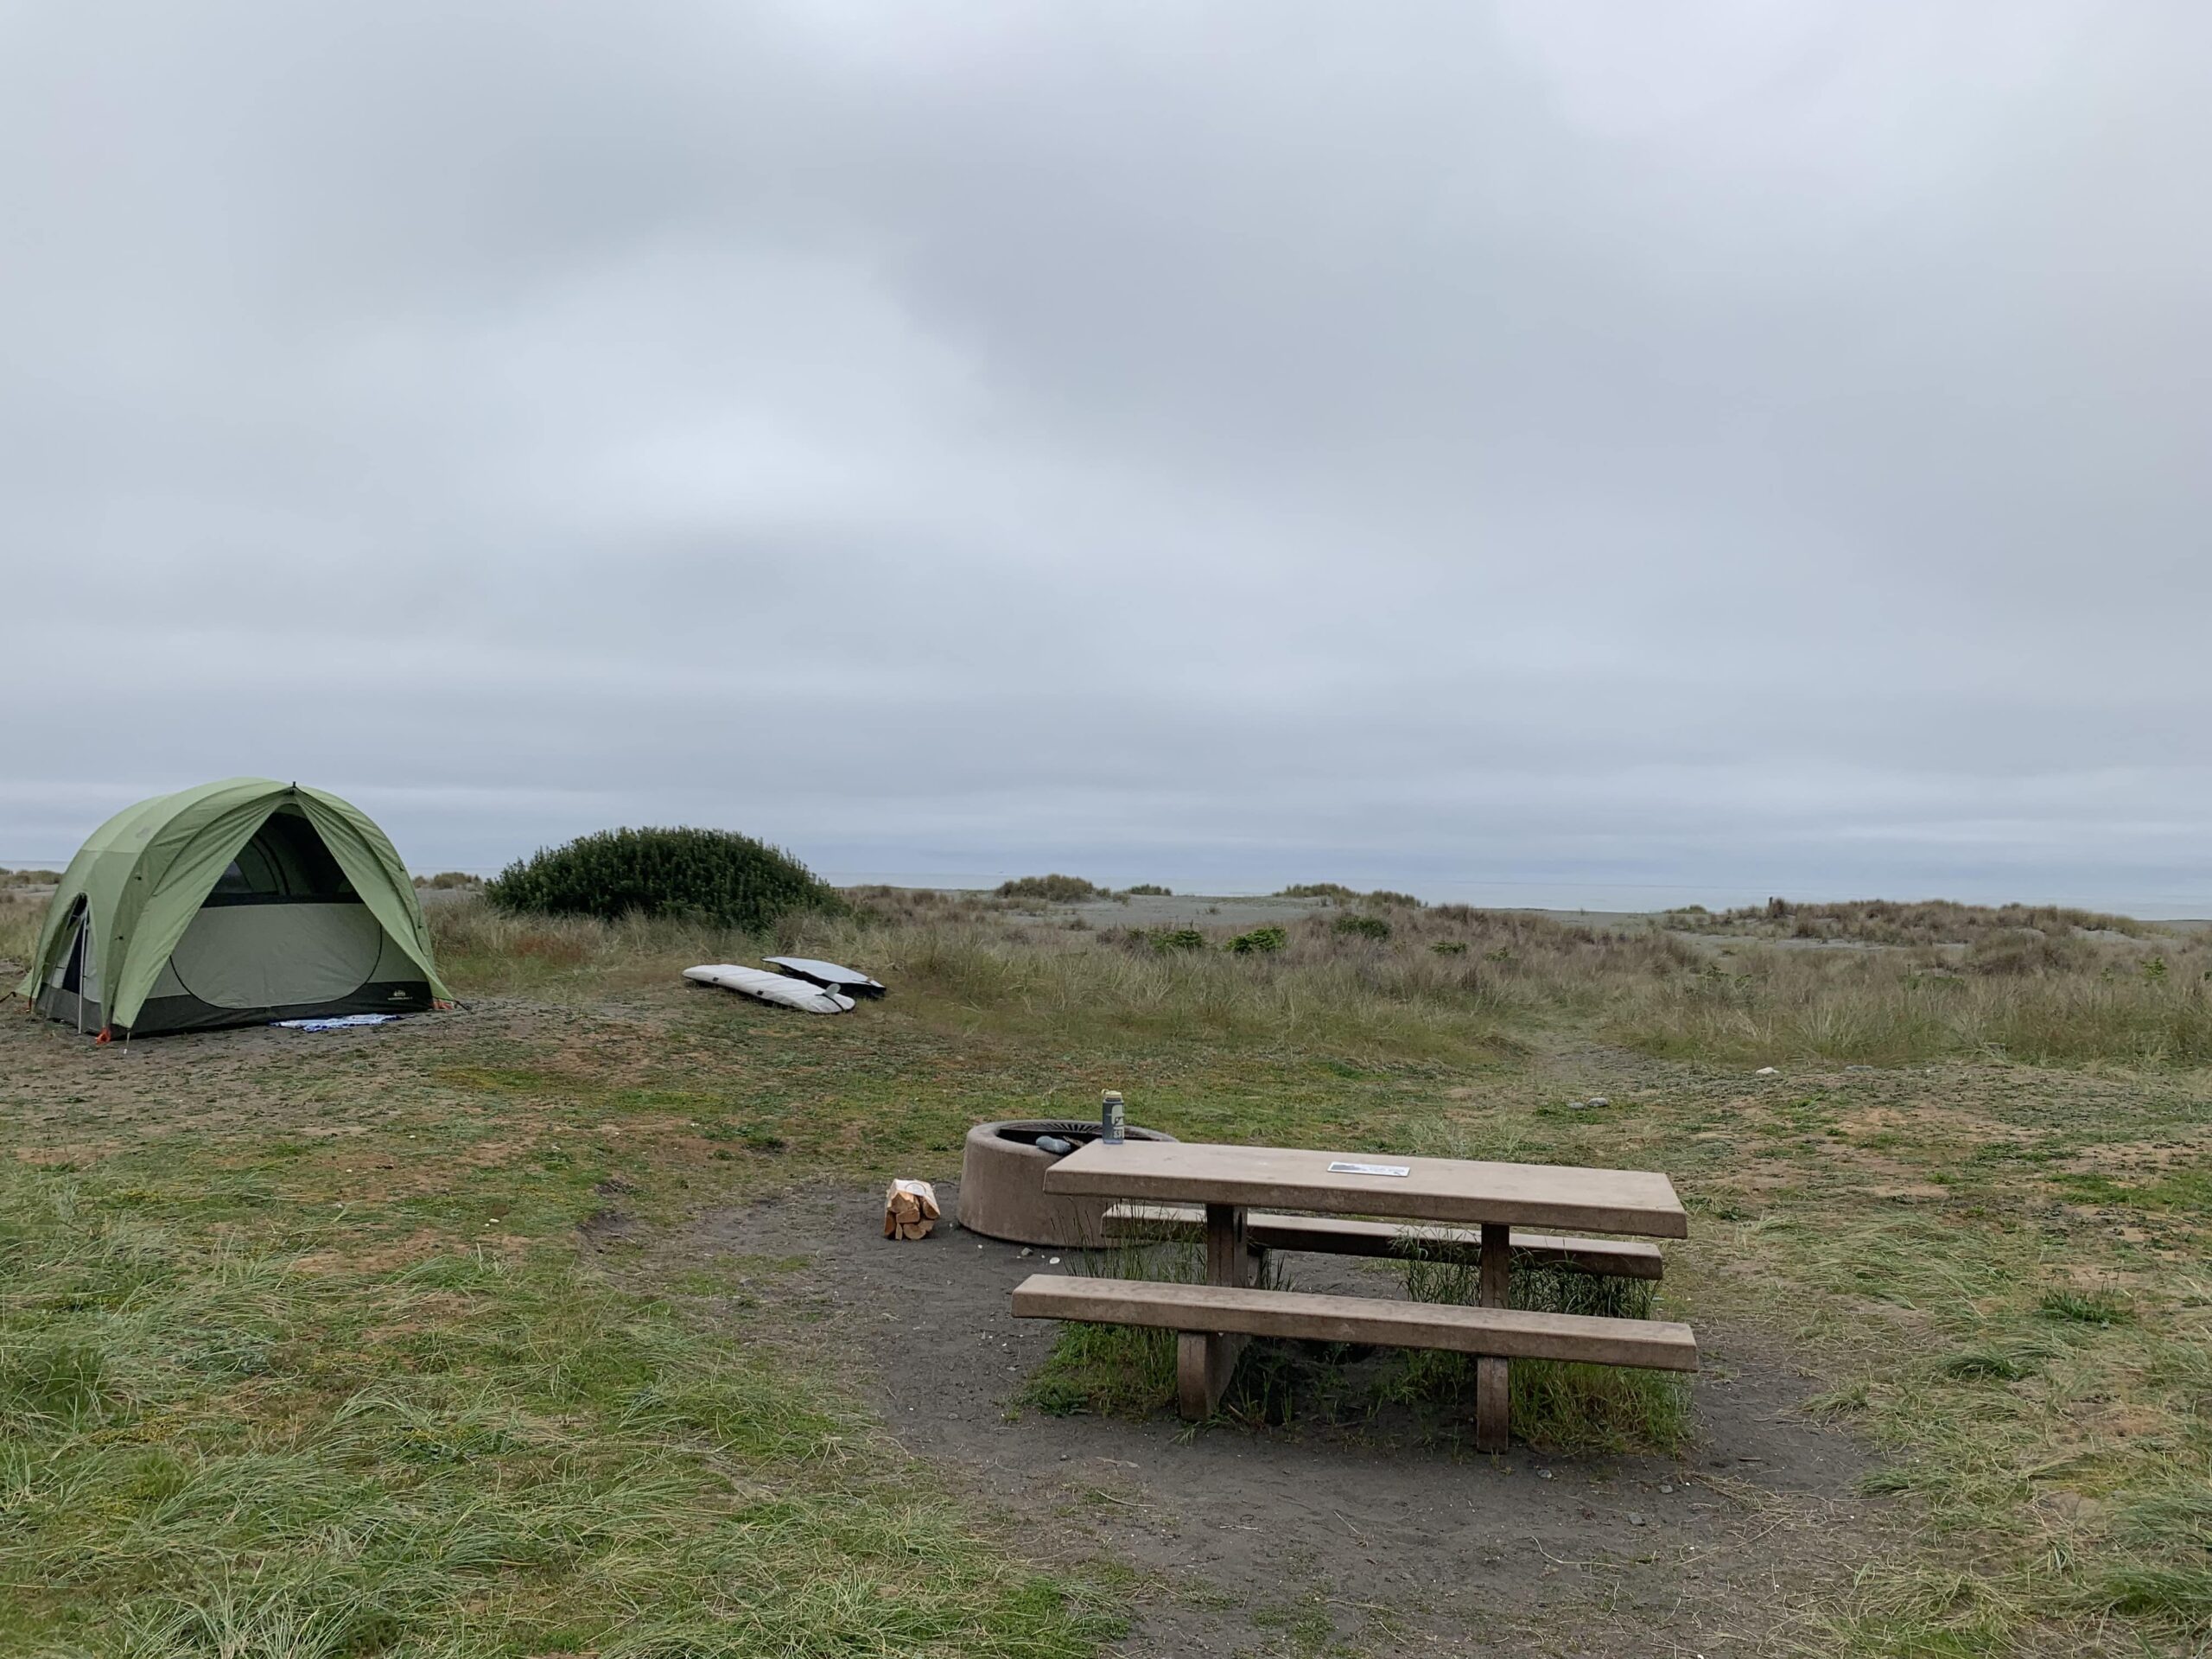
(30, 878)
(1177, 938)
(2027, 950)
(1335, 890)
(1365, 928)
(1149, 890)
(1386, 896)
(1052, 889)
(1260, 942)
(449, 880)
(710, 875)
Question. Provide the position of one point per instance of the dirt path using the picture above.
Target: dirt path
(1296, 1542)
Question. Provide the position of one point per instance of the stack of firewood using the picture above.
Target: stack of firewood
(909, 1210)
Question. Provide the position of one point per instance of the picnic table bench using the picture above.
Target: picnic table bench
(1612, 1258)
(1457, 1207)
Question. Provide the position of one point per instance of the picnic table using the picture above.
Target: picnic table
(1437, 1206)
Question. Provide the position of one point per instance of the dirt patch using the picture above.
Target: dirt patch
(83, 1153)
(2139, 1157)
(1267, 1541)
(606, 1226)
(388, 1257)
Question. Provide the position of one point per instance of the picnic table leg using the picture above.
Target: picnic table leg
(1493, 1375)
(1206, 1359)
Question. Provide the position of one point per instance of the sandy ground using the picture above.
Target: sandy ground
(1268, 1540)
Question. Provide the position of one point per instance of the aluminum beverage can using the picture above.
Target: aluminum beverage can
(1111, 1118)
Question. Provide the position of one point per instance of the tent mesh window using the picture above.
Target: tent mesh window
(284, 864)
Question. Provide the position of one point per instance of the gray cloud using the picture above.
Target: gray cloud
(1532, 451)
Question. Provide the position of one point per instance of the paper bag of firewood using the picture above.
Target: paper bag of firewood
(909, 1210)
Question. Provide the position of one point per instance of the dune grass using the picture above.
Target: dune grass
(19, 923)
(1769, 1006)
(1881, 921)
(1442, 981)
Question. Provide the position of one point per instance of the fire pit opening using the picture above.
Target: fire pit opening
(1002, 1183)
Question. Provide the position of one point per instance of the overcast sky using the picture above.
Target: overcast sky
(1542, 452)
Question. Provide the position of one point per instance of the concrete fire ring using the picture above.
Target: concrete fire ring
(1002, 1183)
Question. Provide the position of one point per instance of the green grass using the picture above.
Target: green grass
(218, 1446)
(1555, 1405)
(2168, 1576)
(1106, 1371)
(2096, 1308)
(2002, 1361)
(1119, 1370)
(305, 1342)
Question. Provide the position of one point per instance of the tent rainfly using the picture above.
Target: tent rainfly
(229, 904)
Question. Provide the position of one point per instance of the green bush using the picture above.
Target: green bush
(1178, 939)
(1336, 890)
(711, 875)
(1053, 889)
(1387, 896)
(1367, 927)
(1149, 890)
(1450, 947)
(1260, 942)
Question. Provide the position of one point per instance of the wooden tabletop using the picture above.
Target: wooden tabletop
(1432, 1189)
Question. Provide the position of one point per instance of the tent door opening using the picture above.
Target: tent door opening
(283, 933)
(72, 976)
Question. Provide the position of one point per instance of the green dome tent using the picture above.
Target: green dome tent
(229, 904)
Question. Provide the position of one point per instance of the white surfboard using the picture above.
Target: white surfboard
(778, 988)
(833, 976)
